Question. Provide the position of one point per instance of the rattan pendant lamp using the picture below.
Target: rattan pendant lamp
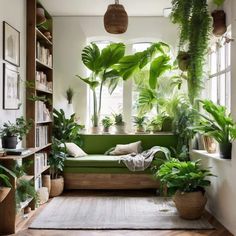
(116, 19)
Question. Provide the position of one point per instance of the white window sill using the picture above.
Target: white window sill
(205, 154)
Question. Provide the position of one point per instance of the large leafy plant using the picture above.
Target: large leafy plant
(217, 123)
(183, 176)
(194, 22)
(66, 129)
(101, 64)
(4, 179)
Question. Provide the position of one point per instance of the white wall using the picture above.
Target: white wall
(14, 13)
(71, 34)
(222, 193)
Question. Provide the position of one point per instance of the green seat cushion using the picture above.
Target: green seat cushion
(103, 170)
(95, 161)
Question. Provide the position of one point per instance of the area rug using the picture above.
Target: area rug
(72, 212)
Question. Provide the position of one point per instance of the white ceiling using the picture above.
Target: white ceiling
(98, 7)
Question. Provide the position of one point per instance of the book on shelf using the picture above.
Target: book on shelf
(17, 152)
(41, 160)
(38, 183)
(43, 55)
(42, 112)
(42, 83)
(41, 135)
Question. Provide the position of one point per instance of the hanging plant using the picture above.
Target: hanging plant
(194, 21)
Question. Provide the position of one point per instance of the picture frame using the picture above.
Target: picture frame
(11, 87)
(11, 44)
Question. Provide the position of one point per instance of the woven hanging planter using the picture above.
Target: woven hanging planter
(116, 19)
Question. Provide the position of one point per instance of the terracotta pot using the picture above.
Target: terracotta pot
(57, 187)
(95, 130)
(225, 150)
(219, 22)
(209, 144)
(140, 129)
(191, 205)
(106, 129)
(46, 179)
(4, 192)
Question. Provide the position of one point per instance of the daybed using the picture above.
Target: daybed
(99, 171)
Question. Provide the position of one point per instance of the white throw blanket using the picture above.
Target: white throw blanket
(141, 161)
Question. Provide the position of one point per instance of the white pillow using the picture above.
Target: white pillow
(131, 148)
(74, 150)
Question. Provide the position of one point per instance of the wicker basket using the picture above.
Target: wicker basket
(57, 187)
(190, 205)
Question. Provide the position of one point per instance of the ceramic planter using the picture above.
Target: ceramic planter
(106, 129)
(225, 150)
(57, 187)
(219, 22)
(9, 142)
(190, 205)
(4, 192)
(120, 129)
(209, 144)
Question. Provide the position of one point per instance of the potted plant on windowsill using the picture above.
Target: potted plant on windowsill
(107, 123)
(10, 132)
(5, 185)
(140, 122)
(219, 125)
(119, 123)
(187, 181)
(56, 162)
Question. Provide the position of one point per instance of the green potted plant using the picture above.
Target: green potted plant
(155, 124)
(10, 132)
(140, 122)
(69, 95)
(101, 63)
(119, 123)
(56, 162)
(5, 185)
(107, 123)
(187, 181)
(219, 125)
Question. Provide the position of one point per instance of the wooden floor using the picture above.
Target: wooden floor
(24, 231)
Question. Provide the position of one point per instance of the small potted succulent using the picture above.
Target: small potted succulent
(107, 123)
(140, 122)
(119, 123)
(186, 181)
(10, 132)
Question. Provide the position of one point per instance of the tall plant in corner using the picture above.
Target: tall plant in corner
(101, 64)
(194, 21)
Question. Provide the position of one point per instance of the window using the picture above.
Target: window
(219, 83)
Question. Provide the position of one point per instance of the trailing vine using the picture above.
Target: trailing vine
(195, 25)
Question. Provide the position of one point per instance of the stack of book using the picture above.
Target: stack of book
(42, 113)
(44, 55)
(41, 135)
(40, 162)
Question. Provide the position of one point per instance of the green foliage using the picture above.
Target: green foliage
(218, 124)
(183, 176)
(139, 121)
(107, 122)
(118, 119)
(218, 2)
(69, 95)
(20, 170)
(64, 129)
(194, 21)
(19, 129)
(102, 65)
(57, 158)
(4, 179)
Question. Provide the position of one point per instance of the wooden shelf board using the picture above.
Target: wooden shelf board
(44, 91)
(26, 203)
(41, 36)
(43, 170)
(27, 177)
(17, 157)
(43, 122)
(38, 149)
(42, 65)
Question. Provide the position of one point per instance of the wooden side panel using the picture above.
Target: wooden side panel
(109, 181)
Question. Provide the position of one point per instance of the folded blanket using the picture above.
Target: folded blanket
(141, 161)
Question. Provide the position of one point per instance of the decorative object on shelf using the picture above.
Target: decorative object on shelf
(209, 144)
(219, 19)
(107, 123)
(56, 162)
(40, 15)
(119, 123)
(69, 95)
(219, 125)
(5, 185)
(10, 132)
(11, 44)
(140, 122)
(187, 181)
(116, 19)
(48, 35)
(11, 87)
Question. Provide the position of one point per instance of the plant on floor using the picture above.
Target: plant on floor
(11, 131)
(194, 21)
(187, 181)
(69, 95)
(101, 64)
(140, 123)
(66, 129)
(107, 123)
(218, 124)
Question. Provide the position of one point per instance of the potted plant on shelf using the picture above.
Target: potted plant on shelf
(56, 162)
(5, 185)
(140, 122)
(10, 132)
(107, 123)
(69, 95)
(219, 125)
(219, 19)
(119, 123)
(187, 181)
(155, 124)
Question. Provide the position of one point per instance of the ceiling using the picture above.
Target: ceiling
(98, 7)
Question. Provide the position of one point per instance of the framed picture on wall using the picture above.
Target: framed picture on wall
(11, 44)
(11, 87)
